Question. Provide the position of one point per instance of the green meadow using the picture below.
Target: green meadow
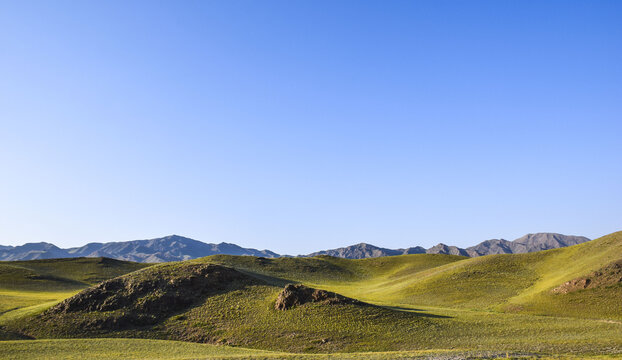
(29, 287)
(416, 306)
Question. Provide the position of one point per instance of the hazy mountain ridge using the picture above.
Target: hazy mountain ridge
(169, 248)
(363, 250)
(178, 248)
(447, 250)
(524, 244)
(31, 251)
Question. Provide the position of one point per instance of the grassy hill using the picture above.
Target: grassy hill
(512, 282)
(414, 303)
(31, 286)
(61, 274)
(204, 302)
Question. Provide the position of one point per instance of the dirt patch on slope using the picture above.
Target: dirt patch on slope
(607, 276)
(148, 296)
(296, 295)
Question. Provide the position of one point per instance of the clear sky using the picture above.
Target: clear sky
(303, 125)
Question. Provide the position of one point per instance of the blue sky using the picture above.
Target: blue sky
(302, 125)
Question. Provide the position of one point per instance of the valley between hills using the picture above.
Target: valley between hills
(558, 303)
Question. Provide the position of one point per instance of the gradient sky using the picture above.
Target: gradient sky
(304, 125)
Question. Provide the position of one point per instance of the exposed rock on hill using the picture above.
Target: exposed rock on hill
(607, 276)
(296, 295)
(147, 296)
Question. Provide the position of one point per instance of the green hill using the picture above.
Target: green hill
(203, 302)
(31, 286)
(513, 282)
(551, 302)
(61, 274)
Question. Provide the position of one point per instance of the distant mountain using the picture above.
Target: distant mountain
(32, 251)
(363, 250)
(447, 250)
(169, 248)
(490, 247)
(177, 248)
(525, 244)
(545, 241)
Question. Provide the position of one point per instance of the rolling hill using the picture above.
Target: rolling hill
(506, 282)
(61, 274)
(420, 302)
(28, 287)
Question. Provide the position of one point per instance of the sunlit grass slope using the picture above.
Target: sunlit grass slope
(340, 273)
(61, 274)
(517, 282)
(28, 287)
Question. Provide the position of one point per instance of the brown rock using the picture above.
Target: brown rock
(607, 276)
(296, 295)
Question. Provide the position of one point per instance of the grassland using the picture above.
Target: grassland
(133, 349)
(423, 304)
(29, 287)
(518, 282)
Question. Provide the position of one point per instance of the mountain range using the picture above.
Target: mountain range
(177, 248)
(525, 244)
(168, 248)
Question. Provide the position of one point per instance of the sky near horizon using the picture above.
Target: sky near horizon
(303, 125)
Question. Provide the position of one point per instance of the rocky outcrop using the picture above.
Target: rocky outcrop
(147, 296)
(296, 295)
(607, 276)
